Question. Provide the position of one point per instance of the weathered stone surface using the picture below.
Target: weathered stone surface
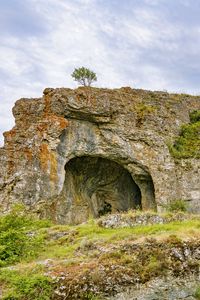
(130, 219)
(162, 289)
(129, 128)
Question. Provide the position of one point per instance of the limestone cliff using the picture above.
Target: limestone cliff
(76, 153)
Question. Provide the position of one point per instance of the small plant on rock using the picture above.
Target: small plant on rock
(84, 76)
(177, 206)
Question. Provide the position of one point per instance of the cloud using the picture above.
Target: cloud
(18, 18)
(141, 43)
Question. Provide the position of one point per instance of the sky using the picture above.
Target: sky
(149, 44)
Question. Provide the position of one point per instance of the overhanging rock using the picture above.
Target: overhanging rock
(79, 153)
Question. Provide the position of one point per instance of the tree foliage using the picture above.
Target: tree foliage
(84, 76)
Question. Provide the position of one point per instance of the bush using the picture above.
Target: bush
(84, 76)
(177, 206)
(18, 236)
(195, 116)
(188, 143)
(28, 286)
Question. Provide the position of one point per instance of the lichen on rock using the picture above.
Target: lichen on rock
(69, 129)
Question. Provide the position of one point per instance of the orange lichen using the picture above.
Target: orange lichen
(44, 156)
(9, 134)
(47, 104)
(42, 127)
(53, 167)
(61, 122)
(28, 153)
(51, 120)
(48, 161)
(10, 166)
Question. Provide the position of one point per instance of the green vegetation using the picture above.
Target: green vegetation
(86, 256)
(195, 116)
(18, 236)
(177, 206)
(188, 143)
(28, 286)
(86, 237)
(84, 76)
(197, 293)
(142, 111)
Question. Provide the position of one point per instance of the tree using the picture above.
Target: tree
(84, 76)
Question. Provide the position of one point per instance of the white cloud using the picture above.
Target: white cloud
(137, 47)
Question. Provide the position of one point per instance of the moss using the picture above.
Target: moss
(188, 143)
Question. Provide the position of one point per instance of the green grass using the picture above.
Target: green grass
(25, 239)
(78, 253)
(26, 285)
(94, 234)
(20, 237)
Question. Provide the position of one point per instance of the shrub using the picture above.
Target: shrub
(18, 237)
(195, 116)
(28, 286)
(177, 206)
(188, 143)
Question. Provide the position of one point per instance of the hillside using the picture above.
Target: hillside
(125, 256)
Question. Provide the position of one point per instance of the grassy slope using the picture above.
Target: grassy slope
(83, 257)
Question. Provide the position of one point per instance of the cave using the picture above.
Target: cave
(95, 186)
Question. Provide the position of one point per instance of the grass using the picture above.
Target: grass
(94, 234)
(45, 242)
(25, 285)
(88, 254)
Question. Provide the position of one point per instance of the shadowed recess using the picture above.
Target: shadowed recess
(100, 186)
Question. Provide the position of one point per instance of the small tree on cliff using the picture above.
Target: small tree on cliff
(84, 76)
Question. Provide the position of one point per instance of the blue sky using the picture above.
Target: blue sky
(150, 44)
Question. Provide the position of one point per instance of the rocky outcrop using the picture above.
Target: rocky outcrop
(162, 288)
(76, 153)
(165, 269)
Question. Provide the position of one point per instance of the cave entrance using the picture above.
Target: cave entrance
(98, 186)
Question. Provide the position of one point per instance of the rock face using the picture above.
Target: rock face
(83, 152)
(161, 288)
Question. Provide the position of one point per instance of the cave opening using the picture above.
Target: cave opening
(97, 186)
